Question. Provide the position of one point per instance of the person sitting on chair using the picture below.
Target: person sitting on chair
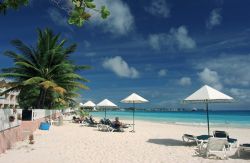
(116, 124)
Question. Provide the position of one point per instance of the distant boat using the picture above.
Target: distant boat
(194, 109)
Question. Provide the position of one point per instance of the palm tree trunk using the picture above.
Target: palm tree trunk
(39, 100)
(43, 98)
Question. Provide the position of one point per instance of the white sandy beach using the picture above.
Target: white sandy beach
(152, 142)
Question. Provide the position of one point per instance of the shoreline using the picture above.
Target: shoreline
(231, 119)
(228, 125)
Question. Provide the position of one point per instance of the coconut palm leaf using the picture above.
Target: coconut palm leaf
(44, 72)
(33, 80)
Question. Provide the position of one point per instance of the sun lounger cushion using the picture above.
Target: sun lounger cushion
(245, 145)
(203, 137)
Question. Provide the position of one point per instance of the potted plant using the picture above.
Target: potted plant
(31, 139)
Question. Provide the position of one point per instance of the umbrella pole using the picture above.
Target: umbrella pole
(133, 118)
(208, 129)
(105, 113)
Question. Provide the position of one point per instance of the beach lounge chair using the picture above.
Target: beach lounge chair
(107, 125)
(223, 134)
(90, 123)
(107, 128)
(84, 123)
(191, 138)
(214, 146)
(76, 120)
(243, 148)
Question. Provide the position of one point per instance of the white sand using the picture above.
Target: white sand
(152, 142)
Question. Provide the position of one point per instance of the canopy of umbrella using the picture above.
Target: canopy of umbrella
(106, 104)
(134, 98)
(88, 105)
(207, 94)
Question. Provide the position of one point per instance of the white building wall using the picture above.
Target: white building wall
(41, 113)
(4, 118)
(8, 100)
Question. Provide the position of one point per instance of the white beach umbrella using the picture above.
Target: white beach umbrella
(106, 104)
(134, 98)
(89, 104)
(207, 94)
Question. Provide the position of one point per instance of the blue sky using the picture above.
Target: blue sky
(162, 49)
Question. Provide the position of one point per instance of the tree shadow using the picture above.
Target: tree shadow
(166, 142)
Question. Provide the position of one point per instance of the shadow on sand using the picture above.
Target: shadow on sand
(166, 142)
(243, 155)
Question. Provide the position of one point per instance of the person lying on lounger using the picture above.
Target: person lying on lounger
(91, 119)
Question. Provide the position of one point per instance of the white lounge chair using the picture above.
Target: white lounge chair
(233, 143)
(84, 123)
(214, 146)
(191, 138)
(243, 148)
(103, 127)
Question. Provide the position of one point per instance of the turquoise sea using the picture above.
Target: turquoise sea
(217, 118)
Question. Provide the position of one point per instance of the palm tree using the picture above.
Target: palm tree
(46, 69)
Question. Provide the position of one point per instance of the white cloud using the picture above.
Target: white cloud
(240, 94)
(184, 41)
(159, 8)
(175, 38)
(58, 18)
(120, 21)
(211, 78)
(155, 40)
(185, 81)
(162, 72)
(215, 18)
(233, 69)
(120, 67)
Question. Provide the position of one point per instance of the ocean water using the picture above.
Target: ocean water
(217, 118)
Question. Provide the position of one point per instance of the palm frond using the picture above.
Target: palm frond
(47, 84)
(11, 75)
(33, 80)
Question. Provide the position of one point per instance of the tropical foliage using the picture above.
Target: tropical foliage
(82, 113)
(44, 75)
(81, 10)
